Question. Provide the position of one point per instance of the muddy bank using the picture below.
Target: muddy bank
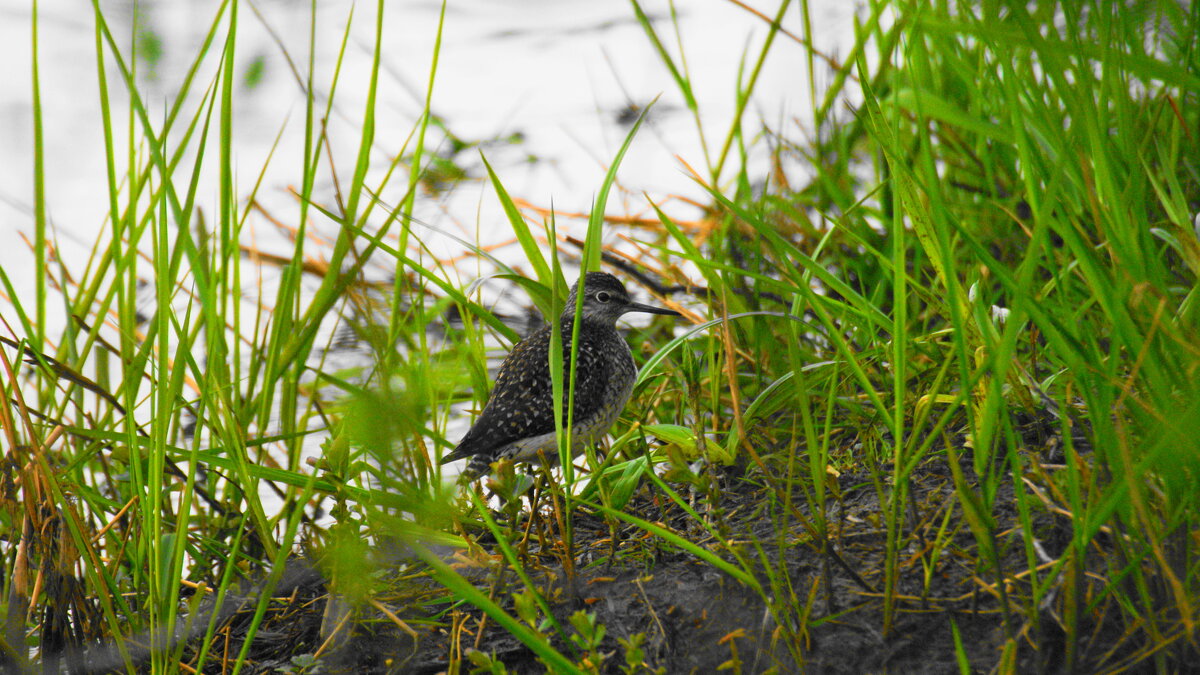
(824, 610)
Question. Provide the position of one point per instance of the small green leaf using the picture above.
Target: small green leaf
(693, 447)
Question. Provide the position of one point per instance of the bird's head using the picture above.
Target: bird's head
(605, 299)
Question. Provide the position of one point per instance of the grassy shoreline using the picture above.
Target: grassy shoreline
(943, 395)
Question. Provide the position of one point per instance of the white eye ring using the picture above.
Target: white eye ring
(603, 296)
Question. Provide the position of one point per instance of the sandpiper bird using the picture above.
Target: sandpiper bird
(518, 421)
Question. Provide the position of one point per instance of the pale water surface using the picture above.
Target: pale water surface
(545, 88)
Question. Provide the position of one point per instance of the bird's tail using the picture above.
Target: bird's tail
(477, 467)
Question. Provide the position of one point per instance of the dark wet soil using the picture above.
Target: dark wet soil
(697, 619)
(826, 604)
(825, 609)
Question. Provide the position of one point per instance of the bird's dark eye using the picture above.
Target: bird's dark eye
(603, 296)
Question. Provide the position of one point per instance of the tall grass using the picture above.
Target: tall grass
(991, 276)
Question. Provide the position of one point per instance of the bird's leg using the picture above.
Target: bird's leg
(562, 547)
(543, 487)
(614, 532)
(534, 495)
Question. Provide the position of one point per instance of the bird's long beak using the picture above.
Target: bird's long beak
(649, 309)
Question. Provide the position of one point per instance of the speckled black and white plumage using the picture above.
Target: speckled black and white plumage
(518, 421)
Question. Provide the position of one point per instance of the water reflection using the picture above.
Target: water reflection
(546, 89)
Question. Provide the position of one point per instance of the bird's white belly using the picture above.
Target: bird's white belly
(584, 433)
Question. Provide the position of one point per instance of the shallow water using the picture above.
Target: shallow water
(564, 78)
(562, 75)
